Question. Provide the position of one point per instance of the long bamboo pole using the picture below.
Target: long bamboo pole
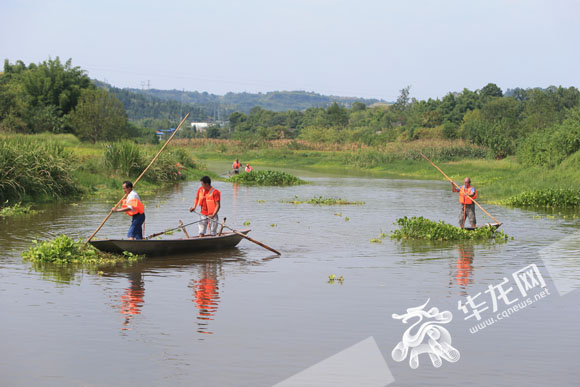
(243, 235)
(455, 184)
(139, 178)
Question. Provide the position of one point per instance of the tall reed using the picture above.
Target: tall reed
(33, 168)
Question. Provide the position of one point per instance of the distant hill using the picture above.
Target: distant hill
(171, 104)
(277, 101)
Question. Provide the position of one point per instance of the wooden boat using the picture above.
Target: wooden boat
(153, 247)
(492, 225)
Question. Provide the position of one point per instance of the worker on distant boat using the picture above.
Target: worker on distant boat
(208, 198)
(236, 166)
(133, 206)
(466, 194)
(248, 168)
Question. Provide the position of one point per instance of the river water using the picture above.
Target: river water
(246, 317)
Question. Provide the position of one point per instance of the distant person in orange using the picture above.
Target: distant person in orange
(248, 168)
(466, 193)
(208, 198)
(133, 206)
(236, 166)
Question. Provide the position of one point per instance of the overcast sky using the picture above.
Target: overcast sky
(363, 48)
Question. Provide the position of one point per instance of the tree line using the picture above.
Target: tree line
(542, 126)
(539, 125)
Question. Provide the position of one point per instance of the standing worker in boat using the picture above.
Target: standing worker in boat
(236, 166)
(466, 194)
(208, 198)
(133, 206)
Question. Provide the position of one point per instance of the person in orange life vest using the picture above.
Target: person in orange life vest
(133, 206)
(236, 166)
(248, 168)
(467, 208)
(208, 198)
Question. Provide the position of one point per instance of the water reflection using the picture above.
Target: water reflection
(202, 275)
(464, 265)
(206, 296)
(132, 300)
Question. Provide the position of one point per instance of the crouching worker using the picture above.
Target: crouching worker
(208, 198)
(133, 206)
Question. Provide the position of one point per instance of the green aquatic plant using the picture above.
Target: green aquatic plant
(266, 178)
(550, 198)
(16, 209)
(320, 200)
(376, 240)
(247, 223)
(65, 250)
(425, 229)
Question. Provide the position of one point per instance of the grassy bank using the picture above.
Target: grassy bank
(41, 168)
(496, 180)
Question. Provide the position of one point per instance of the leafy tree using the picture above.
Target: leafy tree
(358, 106)
(491, 90)
(403, 99)
(336, 115)
(52, 83)
(98, 116)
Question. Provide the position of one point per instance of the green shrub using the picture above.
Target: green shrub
(266, 178)
(425, 229)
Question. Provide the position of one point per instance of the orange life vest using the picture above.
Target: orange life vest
(237, 165)
(464, 198)
(138, 207)
(249, 169)
(209, 200)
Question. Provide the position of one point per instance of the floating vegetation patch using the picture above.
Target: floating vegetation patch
(550, 198)
(334, 277)
(323, 201)
(266, 178)
(64, 250)
(16, 209)
(382, 236)
(425, 229)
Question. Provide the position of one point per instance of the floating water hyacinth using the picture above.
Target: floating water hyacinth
(422, 228)
(65, 250)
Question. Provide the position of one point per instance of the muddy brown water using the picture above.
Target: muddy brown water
(245, 317)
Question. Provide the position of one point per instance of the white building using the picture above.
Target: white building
(199, 126)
